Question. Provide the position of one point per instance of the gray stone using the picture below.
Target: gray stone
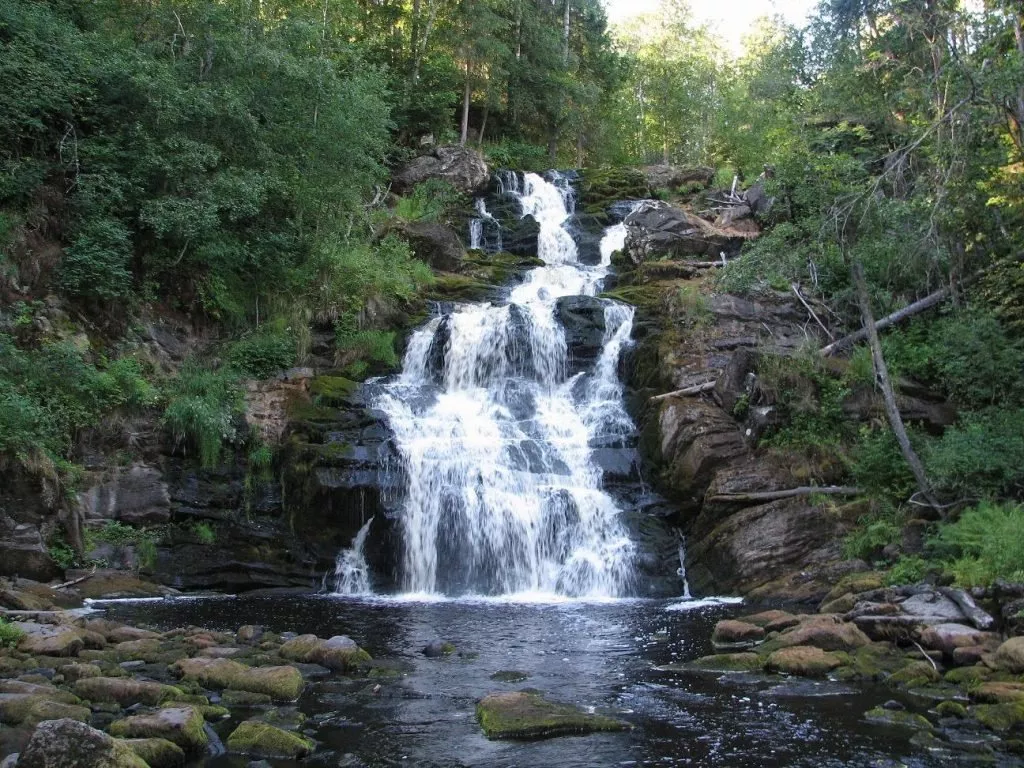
(137, 496)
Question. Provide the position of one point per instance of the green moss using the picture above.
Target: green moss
(283, 683)
(259, 739)
(232, 698)
(855, 583)
(873, 662)
(1000, 717)
(897, 717)
(332, 390)
(968, 676)
(917, 673)
(951, 709)
(158, 753)
(522, 715)
(452, 287)
(183, 726)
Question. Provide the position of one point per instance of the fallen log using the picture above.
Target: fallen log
(908, 311)
(789, 493)
(696, 389)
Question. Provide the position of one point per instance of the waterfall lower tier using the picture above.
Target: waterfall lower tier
(496, 425)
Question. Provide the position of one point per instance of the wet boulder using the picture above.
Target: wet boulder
(730, 634)
(582, 318)
(66, 743)
(521, 715)
(49, 639)
(659, 230)
(825, 633)
(158, 753)
(804, 661)
(434, 243)
(255, 738)
(519, 237)
(462, 167)
(125, 691)
(183, 726)
(282, 683)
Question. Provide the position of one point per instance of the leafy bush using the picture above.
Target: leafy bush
(429, 201)
(872, 534)
(10, 634)
(264, 353)
(517, 154)
(967, 355)
(204, 532)
(909, 569)
(62, 553)
(878, 466)
(984, 544)
(97, 264)
(809, 397)
(201, 408)
(983, 455)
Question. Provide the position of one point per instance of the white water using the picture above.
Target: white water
(477, 239)
(502, 496)
(351, 571)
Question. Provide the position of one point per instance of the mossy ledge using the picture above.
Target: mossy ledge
(521, 715)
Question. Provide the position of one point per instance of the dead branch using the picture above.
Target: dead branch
(796, 290)
(696, 389)
(908, 311)
(789, 493)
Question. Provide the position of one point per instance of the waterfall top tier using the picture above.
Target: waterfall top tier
(502, 494)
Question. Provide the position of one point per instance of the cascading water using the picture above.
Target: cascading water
(351, 571)
(502, 495)
(481, 225)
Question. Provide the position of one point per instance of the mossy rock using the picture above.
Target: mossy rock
(914, 674)
(898, 717)
(31, 709)
(282, 683)
(125, 691)
(726, 662)
(287, 718)
(332, 390)
(258, 739)
(1001, 718)
(522, 715)
(854, 583)
(951, 709)
(804, 661)
(873, 662)
(842, 604)
(158, 753)
(454, 287)
(183, 726)
(970, 677)
(210, 712)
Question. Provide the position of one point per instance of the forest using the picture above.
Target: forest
(226, 164)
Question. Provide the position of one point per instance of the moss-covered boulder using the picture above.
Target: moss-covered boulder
(521, 715)
(854, 583)
(771, 621)
(31, 709)
(1010, 655)
(64, 742)
(915, 674)
(951, 709)
(730, 633)
(898, 717)
(183, 726)
(339, 653)
(1001, 718)
(873, 662)
(74, 672)
(259, 739)
(803, 660)
(158, 753)
(283, 683)
(232, 698)
(49, 639)
(824, 633)
(998, 693)
(125, 691)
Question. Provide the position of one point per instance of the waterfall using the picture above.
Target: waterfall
(351, 572)
(502, 495)
(682, 568)
(478, 226)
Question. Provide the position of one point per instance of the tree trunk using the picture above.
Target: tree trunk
(892, 411)
(465, 109)
(565, 36)
(483, 124)
(908, 311)
(519, 29)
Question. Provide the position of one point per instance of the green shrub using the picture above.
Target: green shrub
(983, 545)
(204, 532)
(982, 455)
(809, 398)
(262, 354)
(201, 408)
(430, 200)
(878, 467)
(10, 634)
(96, 264)
(517, 154)
(909, 569)
(872, 534)
(62, 553)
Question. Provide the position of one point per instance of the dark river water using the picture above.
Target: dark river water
(604, 656)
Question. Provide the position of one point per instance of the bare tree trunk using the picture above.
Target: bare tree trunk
(483, 124)
(892, 411)
(908, 311)
(565, 36)
(465, 109)
(1018, 113)
(519, 29)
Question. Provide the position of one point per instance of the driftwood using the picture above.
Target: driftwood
(789, 493)
(79, 580)
(979, 618)
(908, 311)
(696, 389)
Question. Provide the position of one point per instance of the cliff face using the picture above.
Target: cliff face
(706, 376)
